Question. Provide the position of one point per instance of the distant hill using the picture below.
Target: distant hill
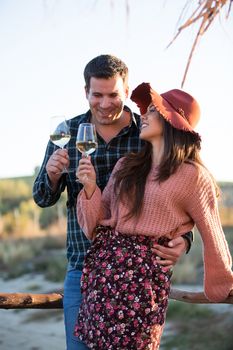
(20, 216)
(226, 197)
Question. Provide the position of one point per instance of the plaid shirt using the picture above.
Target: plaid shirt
(103, 159)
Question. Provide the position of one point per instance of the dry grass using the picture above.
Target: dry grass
(197, 327)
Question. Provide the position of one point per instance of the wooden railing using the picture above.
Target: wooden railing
(54, 300)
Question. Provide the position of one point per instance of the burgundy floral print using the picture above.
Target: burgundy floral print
(125, 293)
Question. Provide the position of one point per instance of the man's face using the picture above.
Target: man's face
(106, 99)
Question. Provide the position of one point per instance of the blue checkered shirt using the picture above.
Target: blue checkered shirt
(103, 159)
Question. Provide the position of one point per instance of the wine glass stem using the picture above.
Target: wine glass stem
(64, 169)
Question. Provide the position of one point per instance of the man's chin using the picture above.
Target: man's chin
(107, 120)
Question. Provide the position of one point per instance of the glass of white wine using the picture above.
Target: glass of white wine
(86, 141)
(59, 132)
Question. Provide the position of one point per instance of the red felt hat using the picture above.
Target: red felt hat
(179, 108)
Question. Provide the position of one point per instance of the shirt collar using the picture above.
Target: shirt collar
(132, 116)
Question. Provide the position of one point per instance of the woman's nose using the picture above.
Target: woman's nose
(143, 116)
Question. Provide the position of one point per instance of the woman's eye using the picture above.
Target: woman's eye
(152, 109)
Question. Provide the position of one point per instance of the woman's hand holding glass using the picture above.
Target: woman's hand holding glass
(86, 143)
(86, 175)
(86, 140)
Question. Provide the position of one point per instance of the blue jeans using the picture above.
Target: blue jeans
(71, 303)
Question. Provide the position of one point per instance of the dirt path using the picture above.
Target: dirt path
(31, 329)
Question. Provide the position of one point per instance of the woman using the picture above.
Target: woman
(151, 197)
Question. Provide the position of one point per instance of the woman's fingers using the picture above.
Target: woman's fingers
(85, 173)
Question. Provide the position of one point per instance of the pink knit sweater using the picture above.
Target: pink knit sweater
(169, 209)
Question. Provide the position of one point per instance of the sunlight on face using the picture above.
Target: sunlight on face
(151, 125)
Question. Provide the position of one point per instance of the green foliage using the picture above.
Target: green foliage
(180, 310)
(19, 215)
(48, 217)
(197, 327)
(56, 269)
(14, 189)
(12, 193)
(9, 224)
(56, 242)
(51, 215)
(41, 255)
(15, 255)
(228, 230)
(189, 269)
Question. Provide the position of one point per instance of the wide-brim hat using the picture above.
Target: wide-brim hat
(177, 107)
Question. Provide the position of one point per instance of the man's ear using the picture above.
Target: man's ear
(127, 91)
(86, 91)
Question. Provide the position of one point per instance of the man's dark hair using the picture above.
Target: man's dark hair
(105, 67)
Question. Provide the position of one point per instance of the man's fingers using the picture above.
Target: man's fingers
(164, 252)
(174, 242)
(166, 263)
(165, 259)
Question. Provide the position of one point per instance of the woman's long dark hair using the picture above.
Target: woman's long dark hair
(179, 147)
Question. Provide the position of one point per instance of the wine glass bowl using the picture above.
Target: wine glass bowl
(86, 141)
(59, 133)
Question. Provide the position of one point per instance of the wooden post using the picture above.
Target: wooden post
(30, 301)
(54, 300)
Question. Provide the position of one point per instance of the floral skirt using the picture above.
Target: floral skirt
(125, 293)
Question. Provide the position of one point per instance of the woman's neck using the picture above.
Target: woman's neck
(158, 150)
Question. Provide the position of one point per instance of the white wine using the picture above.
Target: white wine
(86, 147)
(60, 140)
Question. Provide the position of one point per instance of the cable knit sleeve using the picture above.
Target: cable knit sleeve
(88, 212)
(97, 209)
(202, 206)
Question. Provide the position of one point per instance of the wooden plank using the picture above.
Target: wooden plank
(54, 300)
(30, 301)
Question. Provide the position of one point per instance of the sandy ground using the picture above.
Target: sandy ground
(31, 329)
(43, 329)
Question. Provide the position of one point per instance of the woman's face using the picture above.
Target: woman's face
(151, 125)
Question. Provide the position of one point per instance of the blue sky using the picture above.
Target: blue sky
(45, 45)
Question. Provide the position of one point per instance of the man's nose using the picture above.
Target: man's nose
(105, 102)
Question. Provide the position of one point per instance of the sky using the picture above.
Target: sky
(45, 45)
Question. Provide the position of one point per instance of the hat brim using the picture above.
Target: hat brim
(144, 95)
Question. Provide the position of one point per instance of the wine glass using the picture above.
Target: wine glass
(59, 132)
(86, 141)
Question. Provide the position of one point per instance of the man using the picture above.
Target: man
(106, 87)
